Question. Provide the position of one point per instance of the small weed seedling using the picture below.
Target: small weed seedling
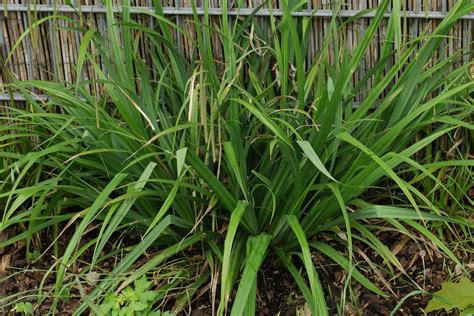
(24, 308)
(132, 301)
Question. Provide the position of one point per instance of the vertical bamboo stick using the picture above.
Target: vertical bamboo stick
(3, 53)
(26, 17)
(22, 52)
(53, 49)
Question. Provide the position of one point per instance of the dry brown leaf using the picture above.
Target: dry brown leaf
(350, 310)
(5, 264)
(399, 246)
(93, 277)
(304, 310)
(413, 260)
(376, 271)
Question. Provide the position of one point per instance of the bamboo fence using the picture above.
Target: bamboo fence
(50, 51)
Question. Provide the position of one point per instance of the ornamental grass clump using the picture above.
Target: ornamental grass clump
(219, 166)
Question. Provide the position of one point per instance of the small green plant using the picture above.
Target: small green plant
(25, 308)
(458, 295)
(33, 255)
(132, 301)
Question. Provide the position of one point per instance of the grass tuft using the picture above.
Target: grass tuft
(233, 163)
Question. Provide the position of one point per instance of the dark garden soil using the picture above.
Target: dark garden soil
(277, 293)
(425, 268)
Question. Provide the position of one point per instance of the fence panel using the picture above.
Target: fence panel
(50, 51)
